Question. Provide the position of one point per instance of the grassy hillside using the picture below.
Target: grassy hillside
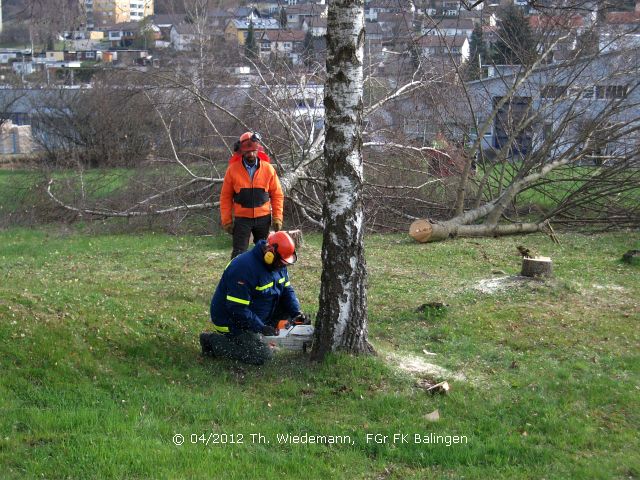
(101, 367)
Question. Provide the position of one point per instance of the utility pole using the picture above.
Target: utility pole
(0, 16)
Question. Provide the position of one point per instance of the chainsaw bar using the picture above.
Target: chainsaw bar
(296, 337)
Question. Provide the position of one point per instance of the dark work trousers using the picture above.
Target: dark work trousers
(246, 347)
(244, 227)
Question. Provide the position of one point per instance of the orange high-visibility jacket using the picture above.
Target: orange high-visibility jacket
(250, 198)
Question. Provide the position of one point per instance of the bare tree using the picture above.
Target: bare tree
(70, 128)
(425, 142)
(47, 19)
(567, 131)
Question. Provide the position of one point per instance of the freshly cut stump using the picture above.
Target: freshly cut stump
(536, 267)
(296, 235)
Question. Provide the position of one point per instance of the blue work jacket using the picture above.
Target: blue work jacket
(249, 294)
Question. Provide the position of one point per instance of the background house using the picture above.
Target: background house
(454, 48)
(269, 7)
(558, 100)
(236, 31)
(287, 43)
(316, 25)
(185, 36)
(122, 34)
(447, 26)
(297, 14)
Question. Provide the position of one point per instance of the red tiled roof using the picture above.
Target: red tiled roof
(394, 17)
(285, 35)
(310, 9)
(546, 21)
(316, 22)
(440, 41)
(621, 18)
(448, 23)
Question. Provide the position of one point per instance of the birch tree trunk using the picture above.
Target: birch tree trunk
(342, 316)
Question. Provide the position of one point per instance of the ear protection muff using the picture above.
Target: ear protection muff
(236, 146)
(270, 256)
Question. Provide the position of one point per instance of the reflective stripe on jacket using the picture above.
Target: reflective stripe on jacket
(250, 198)
(248, 293)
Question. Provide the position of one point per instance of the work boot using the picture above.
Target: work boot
(207, 351)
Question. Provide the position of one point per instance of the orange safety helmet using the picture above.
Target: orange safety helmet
(280, 244)
(248, 142)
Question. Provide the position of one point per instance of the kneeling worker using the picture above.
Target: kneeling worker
(252, 295)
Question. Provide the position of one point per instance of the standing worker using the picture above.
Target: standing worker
(251, 200)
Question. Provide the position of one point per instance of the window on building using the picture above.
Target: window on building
(512, 131)
(553, 91)
(587, 92)
(611, 91)
(580, 92)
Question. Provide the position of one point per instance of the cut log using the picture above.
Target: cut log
(424, 230)
(420, 230)
(536, 267)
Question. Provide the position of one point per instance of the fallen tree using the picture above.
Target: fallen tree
(556, 155)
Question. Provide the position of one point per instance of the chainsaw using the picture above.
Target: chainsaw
(295, 334)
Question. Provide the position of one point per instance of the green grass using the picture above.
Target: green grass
(17, 186)
(99, 183)
(13, 185)
(558, 185)
(101, 367)
(96, 184)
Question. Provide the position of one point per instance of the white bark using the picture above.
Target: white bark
(342, 317)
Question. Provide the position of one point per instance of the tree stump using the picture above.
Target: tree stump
(296, 235)
(536, 267)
